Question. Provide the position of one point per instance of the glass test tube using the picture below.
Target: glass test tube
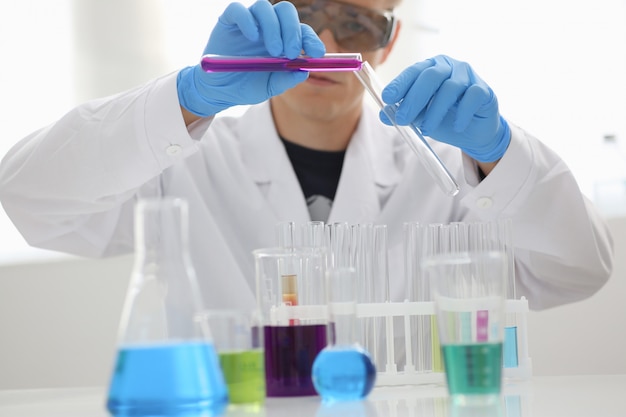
(368, 255)
(289, 292)
(510, 355)
(411, 134)
(286, 234)
(417, 329)
(381, 291)
(313, 234)
(337, 237)
(327, 63)
(286, 238)
(505, 238)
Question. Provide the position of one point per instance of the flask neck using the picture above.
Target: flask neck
(342, 306)
(161, 233)
(163, 301)
(343, 325)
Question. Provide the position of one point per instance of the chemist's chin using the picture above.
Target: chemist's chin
(320, 80)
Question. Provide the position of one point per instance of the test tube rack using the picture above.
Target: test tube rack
(393, 328)
(410, 374)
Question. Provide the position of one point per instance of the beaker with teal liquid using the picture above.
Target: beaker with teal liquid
(166, 361)
(469, 292)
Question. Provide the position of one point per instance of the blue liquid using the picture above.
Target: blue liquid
(343, 374)
(510, 347)
(513, 406)
(167, 379)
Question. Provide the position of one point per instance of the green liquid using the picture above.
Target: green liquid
(473, 369)
(435, 346)
(244, 373)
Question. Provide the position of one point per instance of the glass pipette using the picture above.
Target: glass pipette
(327, 63)
(411, 134)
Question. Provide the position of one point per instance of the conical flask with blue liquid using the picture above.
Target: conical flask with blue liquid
(166, 363)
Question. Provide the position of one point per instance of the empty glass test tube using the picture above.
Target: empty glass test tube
(411, 134)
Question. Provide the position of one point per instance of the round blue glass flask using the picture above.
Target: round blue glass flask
(343, 370)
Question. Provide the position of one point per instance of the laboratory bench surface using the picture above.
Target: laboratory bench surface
(571, 396)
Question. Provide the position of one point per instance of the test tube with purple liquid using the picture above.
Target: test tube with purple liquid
(329, 62)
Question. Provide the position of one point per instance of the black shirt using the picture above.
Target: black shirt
(318, 173)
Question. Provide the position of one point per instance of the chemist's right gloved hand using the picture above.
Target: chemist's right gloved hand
(449, 102)
(260, 30)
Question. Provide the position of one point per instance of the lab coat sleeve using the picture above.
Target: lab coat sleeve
(563, 248)
(71, 185)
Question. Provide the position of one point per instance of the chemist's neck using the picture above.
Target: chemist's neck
(315, 129)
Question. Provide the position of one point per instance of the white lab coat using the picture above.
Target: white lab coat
(71, 187)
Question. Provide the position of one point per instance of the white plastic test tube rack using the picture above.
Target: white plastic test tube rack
(410, 374)
(396, 331)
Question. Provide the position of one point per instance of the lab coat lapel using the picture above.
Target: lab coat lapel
(268, 165)
(368, 171)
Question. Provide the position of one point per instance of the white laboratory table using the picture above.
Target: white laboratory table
(571, 396)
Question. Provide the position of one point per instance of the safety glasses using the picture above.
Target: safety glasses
(355, 28)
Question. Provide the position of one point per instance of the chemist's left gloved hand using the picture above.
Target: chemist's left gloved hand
(450, 103)
(262, 29)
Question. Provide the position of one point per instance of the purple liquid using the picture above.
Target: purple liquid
(289, 355)
(249, 64)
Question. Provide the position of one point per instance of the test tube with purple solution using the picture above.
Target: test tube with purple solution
(327, 63)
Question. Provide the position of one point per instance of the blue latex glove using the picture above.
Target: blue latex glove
(260, 30)
(447, 100)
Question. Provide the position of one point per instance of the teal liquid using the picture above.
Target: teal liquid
(510, 347)
(473, 369)
(343, 374)
(167, 379)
